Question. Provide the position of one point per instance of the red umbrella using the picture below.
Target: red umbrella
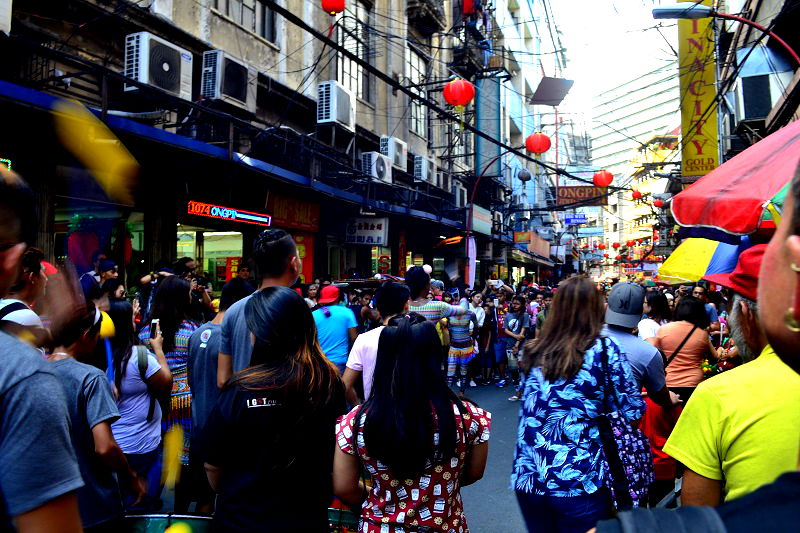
(744, 194)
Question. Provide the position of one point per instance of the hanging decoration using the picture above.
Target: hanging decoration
(618, 258)
(603, 178)
(658, 203)
(459, 93)
(537, 143)
(333, 7)
(616, 245)
(601, 246)
(637, 195)
(605, 255)
(630, 244)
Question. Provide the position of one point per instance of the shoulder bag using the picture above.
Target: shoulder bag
(678, 349)
(625, 449)
(164, 400)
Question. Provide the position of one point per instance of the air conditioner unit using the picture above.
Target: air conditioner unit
(336, 105)
(396, 150)
(497, 222)
(460, 195)
(154, 61)
(424, 169)
(228, 79)
(377, 165)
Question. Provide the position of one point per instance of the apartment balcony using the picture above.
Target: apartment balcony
(426, 15)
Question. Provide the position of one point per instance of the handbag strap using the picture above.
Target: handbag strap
(141, 360)
(604, 362)
(678, 349)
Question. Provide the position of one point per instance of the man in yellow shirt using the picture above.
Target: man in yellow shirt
(740, 429)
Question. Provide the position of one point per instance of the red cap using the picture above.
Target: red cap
(328, 295)
(49, 269)
(744, 278)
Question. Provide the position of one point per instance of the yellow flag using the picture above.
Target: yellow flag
(173, 446)
(98, 149)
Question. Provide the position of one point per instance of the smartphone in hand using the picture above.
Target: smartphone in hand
(154, 328)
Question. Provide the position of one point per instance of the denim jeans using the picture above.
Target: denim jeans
(148, 467)
(576, 514)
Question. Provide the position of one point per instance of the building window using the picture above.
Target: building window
(266, 25)
(355, 36)
(416, 73)
(253, 15)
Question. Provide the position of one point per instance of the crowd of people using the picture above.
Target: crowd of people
(289, 395)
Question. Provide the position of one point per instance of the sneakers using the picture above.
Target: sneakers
(514, 398)
(472, 383)
(502, 383)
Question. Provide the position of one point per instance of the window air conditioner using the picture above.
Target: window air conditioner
(154, 61)
(396, 150)
(335, 105)
(424, 169)
(377, 165)
(228, 79)
(497, 222)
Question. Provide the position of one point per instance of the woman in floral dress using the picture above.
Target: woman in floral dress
(418, 441)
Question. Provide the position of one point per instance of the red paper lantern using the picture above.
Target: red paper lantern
(639, 241)
(537, 143)
(636, 194)
(602, 178)
(605, 255)
(615, 245)
(618, 258)
(333, 6)
(601, 246)
(459, 93)
(630, 244)
(658, 203)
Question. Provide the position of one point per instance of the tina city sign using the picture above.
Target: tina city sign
(228, 213)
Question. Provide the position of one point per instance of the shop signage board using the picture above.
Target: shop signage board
(201, 209)
(522, 237)
(596, 231)
(292, 213)
(586, 195)
(697, 81)
(539, 246)
(371, 231)
(381, 260)
(481, 220)
(575, 220)
(232, 267)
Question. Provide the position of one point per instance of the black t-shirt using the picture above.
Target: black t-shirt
(276, 457)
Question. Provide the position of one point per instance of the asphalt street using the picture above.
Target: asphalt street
(490, 506)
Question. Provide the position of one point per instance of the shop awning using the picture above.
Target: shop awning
(18, 95)
(528, 257)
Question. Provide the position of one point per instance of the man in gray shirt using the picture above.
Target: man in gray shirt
(625, 308)
(38, 470)
(276, 260)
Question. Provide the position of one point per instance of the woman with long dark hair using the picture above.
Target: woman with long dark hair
(657, 313)
(559, 472)
(419, 442)
(171, 308)
(268, 444)
(139, 376)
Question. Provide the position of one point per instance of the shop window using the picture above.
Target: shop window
(218, 254)
(266, 24)
(253, 15)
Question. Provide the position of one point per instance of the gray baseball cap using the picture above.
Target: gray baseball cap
(625, 305)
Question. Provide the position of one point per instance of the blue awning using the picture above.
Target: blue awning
(22, 95)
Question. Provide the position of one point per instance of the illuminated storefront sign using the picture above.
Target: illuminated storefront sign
(228, 213)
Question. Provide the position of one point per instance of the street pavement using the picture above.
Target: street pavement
(490, 506)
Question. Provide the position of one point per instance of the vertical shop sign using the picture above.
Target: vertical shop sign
(698, 73)
(381, 260)
(402, 256)
(232, 267)
(305, 250)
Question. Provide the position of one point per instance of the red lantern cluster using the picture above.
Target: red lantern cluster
(602, 178)
(537, 143)
(333, 6)
(636, 194)
(458, 92)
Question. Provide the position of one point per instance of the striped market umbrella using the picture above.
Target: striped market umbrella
(695, 258)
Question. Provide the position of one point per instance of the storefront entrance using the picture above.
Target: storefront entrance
(218, 254)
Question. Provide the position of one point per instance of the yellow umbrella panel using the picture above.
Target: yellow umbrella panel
(695, 258)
